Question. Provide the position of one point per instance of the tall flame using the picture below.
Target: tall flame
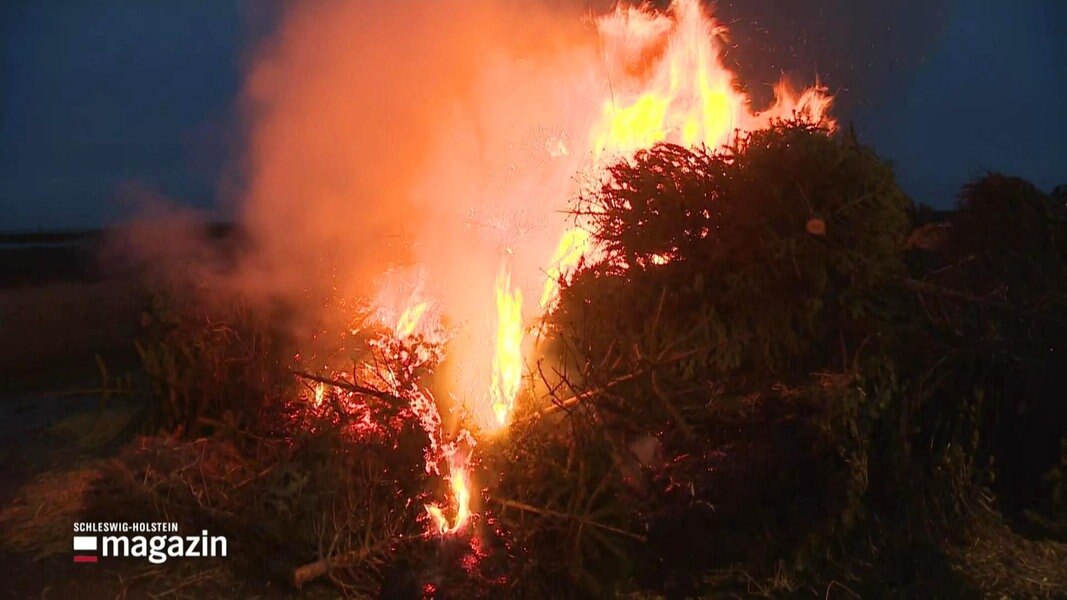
(665, 83)
(460, 486)
(507, 358)
(685, 95)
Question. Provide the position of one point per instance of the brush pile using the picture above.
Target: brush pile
(778, 376)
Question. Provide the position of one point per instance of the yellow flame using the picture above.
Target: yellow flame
(684, 94)
(507, 357)
(457, 479)
(409, 320)
(675, 89)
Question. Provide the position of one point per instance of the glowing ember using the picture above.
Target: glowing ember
(507, 360)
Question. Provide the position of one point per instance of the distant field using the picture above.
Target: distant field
(34, 258)
(60, 308)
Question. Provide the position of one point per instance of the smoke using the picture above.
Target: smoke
(373, 125)
(415, 148)
(170, 247)
(414, 151)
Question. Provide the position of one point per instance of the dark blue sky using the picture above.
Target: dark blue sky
(100, 94)
(991, 95)
(96, 95)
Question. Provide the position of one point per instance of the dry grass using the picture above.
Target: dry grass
(1003, 564)
(175, 479)
(39, 520)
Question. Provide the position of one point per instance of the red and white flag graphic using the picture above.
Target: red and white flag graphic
(85, 549)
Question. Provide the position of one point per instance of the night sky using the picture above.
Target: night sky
(97, 96)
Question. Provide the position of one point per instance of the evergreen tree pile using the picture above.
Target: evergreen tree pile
(772, 371)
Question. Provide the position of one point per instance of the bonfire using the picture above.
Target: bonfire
(676, 91)
(626, 332)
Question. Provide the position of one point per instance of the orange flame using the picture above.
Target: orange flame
(683, 94)
(666, 83)
(674, 88)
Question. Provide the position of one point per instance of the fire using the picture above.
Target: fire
(683, 94)
(507, 357)
(454, 454)
(673, 88)
(409, 320)
(466, 164)
(460, 487)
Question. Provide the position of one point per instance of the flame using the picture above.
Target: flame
(685, 96)
(673, 88)
(648, 76)
(409, 320)
(460, 488)
(507, 358)
(320, 392)
(454, 454)
(665, 83)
